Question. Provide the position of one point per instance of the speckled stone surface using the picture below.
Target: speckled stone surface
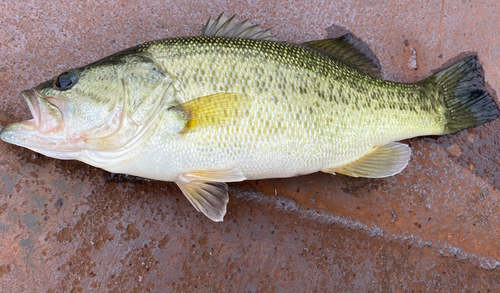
(69, 227)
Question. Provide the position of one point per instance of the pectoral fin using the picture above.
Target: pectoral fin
(207, 190)
(211, 110)
(381, 161)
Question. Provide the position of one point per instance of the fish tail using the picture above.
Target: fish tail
(466, 101)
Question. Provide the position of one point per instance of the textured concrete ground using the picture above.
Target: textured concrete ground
(66, 226)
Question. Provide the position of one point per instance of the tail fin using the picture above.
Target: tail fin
(467, 102)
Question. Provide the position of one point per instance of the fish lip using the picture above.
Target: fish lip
(31, 98)
(10, 133)
(46, 111)
(35, 125)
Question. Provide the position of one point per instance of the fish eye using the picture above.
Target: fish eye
(66, 80)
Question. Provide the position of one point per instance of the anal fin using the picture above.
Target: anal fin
(381, 161)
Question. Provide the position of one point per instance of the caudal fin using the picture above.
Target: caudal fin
(467, 102)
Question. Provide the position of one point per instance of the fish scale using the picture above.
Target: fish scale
(243, 62)
(235, 104)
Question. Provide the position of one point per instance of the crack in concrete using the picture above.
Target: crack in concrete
(444, 248)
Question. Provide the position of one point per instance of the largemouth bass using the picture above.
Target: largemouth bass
(234, 104)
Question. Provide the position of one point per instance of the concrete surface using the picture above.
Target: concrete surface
(68, 227)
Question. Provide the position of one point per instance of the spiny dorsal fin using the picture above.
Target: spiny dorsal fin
(231, 27)
(381, 161)
(342, 49)
(215, 109)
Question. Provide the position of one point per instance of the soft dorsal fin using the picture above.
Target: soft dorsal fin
(231, 27)
(381, 161)
(212, 110)
(343, 49)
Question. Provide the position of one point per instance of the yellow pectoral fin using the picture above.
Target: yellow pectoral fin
(381, 161)
(216, 109)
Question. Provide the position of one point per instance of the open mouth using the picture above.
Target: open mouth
(41, 132)
(46, 116)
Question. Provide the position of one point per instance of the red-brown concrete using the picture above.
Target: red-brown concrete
(66, 226)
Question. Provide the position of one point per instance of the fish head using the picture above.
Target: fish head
(99, 107)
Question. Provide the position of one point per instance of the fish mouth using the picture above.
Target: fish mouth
(46, 116)
(45, 127)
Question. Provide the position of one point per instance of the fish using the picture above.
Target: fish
(236, 104)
